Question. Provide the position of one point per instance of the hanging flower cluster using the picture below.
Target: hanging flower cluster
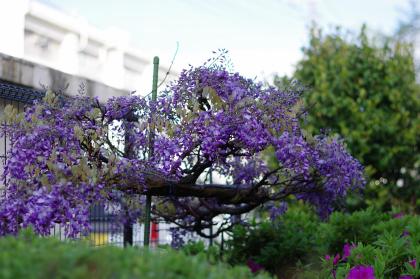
(67, 154)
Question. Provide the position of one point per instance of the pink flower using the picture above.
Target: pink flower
(254, 266)
(398, 215)
(347, 250)
(336, 259)
(361, 272)
(413, 263)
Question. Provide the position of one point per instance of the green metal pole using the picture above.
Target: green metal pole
(211, 225)
(151, 151)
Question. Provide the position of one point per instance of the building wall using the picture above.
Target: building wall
(33, 75)
(42, 34)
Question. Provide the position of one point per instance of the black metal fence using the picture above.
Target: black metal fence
(107, 230)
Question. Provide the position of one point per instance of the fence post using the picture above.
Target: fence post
(128, 225)
(128, 231)
(211, 220)
(151, 151)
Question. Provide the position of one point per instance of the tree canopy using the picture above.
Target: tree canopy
(69, 153)
(365, 90)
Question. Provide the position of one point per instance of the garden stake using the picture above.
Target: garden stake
(151, 142)
(211, 221)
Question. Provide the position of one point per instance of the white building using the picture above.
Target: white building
(42, 34)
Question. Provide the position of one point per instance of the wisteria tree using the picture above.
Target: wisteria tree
(68, 154)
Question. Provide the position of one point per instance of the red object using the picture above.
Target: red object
(155, 233)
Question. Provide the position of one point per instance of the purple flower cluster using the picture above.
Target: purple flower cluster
(67, 155)
(44, 207)
(177, 237)
(338, 258)
(276, 211)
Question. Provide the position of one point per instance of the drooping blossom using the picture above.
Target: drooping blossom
(276, 211)
(68, 154)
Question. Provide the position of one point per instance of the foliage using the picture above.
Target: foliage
(212, 253)
(365, 90)
(27, 256)
(357, 227)
(294, 237)
(293, 245)
(394, 254)
(67, 154)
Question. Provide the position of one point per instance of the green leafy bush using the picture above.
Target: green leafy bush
(278, 246)
(194, 248)
(297, 244)
(27, 256)
(357, 227)
(394, 254)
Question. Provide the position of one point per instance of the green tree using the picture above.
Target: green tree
(365, 90)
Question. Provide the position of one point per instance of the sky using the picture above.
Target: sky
(263, 37)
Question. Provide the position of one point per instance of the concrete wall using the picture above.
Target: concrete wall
(30, 74)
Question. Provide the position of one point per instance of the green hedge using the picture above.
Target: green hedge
(278, 245)
(27, 256)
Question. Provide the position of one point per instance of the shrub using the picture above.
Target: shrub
(27, 256)
(193, 248)
(393, 255)
(357, 227)
(295, 245)
(278, 246)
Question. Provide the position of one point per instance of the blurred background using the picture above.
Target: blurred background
(114, 41)
(356, 61)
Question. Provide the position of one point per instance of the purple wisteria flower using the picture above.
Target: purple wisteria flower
(68, 154)
(276, 211)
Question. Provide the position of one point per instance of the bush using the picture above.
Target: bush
(278, 246)
(212, 253)
(296, 244)
(357, 227)
(394, 254)
(27, 256)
